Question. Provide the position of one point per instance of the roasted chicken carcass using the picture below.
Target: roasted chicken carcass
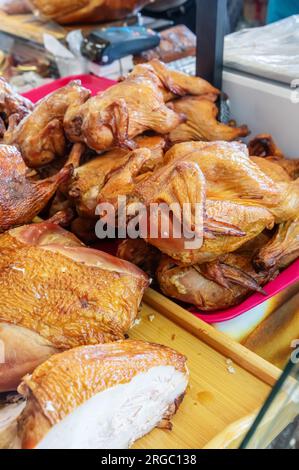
(229, 218)
(13, 107)
(212, 286)
(173, 83)
(282, 249)
(90, 179)
(264, 146)
(22, 197)
(87, 11)
(57, 294)
(228, 171)
(202, 123)
(119, 114)
(120, 390)
(40, 136)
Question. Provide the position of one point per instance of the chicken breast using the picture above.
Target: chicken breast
(118, 392)
(57, 294)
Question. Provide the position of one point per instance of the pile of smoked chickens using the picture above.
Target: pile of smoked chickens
(66, 308)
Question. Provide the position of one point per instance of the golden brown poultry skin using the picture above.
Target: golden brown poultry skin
(67, 293)
(90, 178)
(263, 145)
(91, 11)
(58, 294)
(282, 249)
(229, 172)
(69, 379)
(21, 196)
(212, 286)
(201, 123)
(119, 114)
(173, 83)
(13, 107)
(220, 182)
(40, 136)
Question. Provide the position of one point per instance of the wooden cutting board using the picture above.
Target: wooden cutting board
(220, 392)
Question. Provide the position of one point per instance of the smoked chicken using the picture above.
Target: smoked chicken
(140, 253)
(282, 249)
(57, 294)
(228, 171)
(212, 286)
(22, 197)
(90, 179)
(173, 83)
(217, 184)
(264, 146)
(40, 136)
(116, 116)
(87, 11)
(201, 123)
(121, 391)
(13, 107)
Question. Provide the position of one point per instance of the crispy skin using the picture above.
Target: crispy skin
(69, 379)
(201, 123)
(40, 136)
(270, 167)
(90, 179)
(228, 171)
(219, 178)
(264, 146)
(69, 294)
(173, 83)
(21, 197)
(13, 107)
(282, 249)
(119, 114)
(141, 254)
(212, 286)
(91, 11)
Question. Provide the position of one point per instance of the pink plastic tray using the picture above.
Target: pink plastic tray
(94, 84)
(288, 277)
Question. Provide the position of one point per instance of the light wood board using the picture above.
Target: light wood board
(215, 397)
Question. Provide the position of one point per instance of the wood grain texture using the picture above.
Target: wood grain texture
(216, 339)
(215, 397)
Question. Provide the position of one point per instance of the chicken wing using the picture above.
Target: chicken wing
(226, 223)
(201, 123)
(173, 83)
(90, 179)
(282, 249)
(21, 196)
(212, 286)
(60, 294)
(264, 146)
(13, 107)
(119, 114)
(229, 172)
(122, 391)
(40, 136)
